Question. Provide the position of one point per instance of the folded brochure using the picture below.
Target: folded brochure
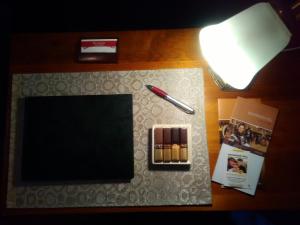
(245, 138)
(240, 180)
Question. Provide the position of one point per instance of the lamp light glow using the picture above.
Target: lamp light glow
(239, 47)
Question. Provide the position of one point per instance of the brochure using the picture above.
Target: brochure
(236, 168)
(254, 165)
(225, 108)
(245, 139)
(252, 124)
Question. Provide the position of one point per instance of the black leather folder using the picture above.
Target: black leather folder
(77, 138)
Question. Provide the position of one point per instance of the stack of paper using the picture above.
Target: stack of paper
(245, 138)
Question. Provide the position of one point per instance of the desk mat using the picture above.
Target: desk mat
(148, 187)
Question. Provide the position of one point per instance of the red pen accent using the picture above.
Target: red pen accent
(157, 91)
(170, 99)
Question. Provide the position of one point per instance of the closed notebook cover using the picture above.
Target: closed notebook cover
(77, 138)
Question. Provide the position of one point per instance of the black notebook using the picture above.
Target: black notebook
(77, 138)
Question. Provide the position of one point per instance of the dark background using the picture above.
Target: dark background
(46, 15)
(67, 16)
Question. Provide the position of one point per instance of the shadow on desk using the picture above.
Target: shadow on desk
(203, 218)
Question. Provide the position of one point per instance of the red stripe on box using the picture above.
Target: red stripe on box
(88, 44)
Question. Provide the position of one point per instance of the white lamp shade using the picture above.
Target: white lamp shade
(239, 47)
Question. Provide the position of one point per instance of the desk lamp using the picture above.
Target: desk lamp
(239, 47)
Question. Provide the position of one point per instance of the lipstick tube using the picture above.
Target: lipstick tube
(167, 144)
(183, 145)
(158, 145)
(175, 144)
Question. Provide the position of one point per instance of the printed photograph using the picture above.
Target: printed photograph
(237, 164)
(222, 125)
(245, 136)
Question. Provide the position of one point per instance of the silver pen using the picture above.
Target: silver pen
(170, 99)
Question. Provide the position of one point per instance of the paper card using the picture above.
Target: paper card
(254, 166)
(256, 114)
(252, 125)
(225, 107)
(235, 171)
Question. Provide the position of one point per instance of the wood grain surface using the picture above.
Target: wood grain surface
(278, 85)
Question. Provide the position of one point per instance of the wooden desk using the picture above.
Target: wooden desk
(278, 85)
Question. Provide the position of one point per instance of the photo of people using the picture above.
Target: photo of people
(228, 135)
(222, 125)
(237, 164)
(245, 136)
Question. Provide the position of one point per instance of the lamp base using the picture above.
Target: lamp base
(220, 82)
